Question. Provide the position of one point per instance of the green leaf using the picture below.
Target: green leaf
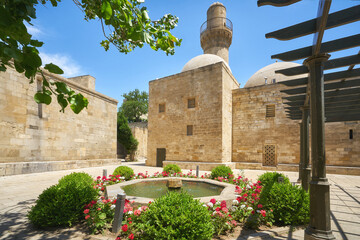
(53, 68)
(61, 87)
(42, 98)
(14, 53)
(106, 10)
(18, 67)
(36, 43)
(102, 216)
(62, 102)
(78, 103)
(32, 59)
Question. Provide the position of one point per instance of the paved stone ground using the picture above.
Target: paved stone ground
(19, 192)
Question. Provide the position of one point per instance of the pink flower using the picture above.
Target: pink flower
(86, 211)
(87, 216)
(233, 222)
(213, 201)
(263, 212)
(225, 210)
(99, 209)
(137, 212)
(124, 228)
(131, 236)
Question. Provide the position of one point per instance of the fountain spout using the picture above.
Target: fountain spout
(174, 183)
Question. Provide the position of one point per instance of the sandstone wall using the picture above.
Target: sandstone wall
(252, 130)
(32, 134)
(140, 132)
(169, 129)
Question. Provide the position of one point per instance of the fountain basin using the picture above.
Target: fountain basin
(214, 189)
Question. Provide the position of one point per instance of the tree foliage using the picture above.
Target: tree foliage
(129, 27)
(135, 105)
(124, 135)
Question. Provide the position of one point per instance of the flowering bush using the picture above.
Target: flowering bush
(220, 216)
(102, 182)
(99, 214)
(247, 209)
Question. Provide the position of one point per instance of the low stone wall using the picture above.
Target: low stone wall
(7, 169)
(203, 166)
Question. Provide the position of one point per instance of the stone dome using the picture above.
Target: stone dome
(203, 60)
(258, 79)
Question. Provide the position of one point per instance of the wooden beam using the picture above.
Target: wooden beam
(276, 3)
(334, 63)
(331, 46)
(328, 111)
(335, 19)
(333, 85)
(331, 106)
(336, 93)
(330, 100)
(322, 16)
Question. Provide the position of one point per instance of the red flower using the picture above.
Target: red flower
(223, 204)
(131, 236)
(99, 209)
(213, 201)
(217, 209)
(118, 238)
(124, 228)
(245, 195)
(263, 212)
(86, 211)
(260, 206)
(87, 216)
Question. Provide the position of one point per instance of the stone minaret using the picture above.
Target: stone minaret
(216, 32)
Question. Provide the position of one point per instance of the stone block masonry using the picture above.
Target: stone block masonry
(36, 137)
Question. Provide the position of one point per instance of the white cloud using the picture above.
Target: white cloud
(66, 63)
(35, 31)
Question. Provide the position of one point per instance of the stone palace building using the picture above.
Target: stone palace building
(201, 117)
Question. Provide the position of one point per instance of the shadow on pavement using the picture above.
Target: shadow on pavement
(15, 225)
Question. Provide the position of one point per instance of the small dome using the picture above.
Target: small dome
(203, 60)
(268, 72)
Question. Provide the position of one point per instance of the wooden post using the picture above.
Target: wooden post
(119, 212)
(197, 171)
(305, 151)
(320, 224)
(301, 162)
(105, 173)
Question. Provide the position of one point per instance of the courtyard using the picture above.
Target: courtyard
(19, 192)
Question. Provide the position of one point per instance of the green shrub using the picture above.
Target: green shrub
(177, 216)
(63, 204)
(290, 204)
(124, 171)
(221, 171)
(269, 178)
(172, 168)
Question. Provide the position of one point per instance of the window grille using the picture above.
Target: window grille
(191, 103)
(161, 108)
(189, 130)
(270, 110)
(269, 156)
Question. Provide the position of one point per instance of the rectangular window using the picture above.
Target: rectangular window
(270, 110)
(161, 107)
(39, 88)
(189, 130)
(191, 103)
(351, 134)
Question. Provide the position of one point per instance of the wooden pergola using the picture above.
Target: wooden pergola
(319, 98)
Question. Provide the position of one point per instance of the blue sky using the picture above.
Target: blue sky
(74, 44)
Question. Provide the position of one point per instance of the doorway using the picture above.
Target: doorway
(160, 156)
